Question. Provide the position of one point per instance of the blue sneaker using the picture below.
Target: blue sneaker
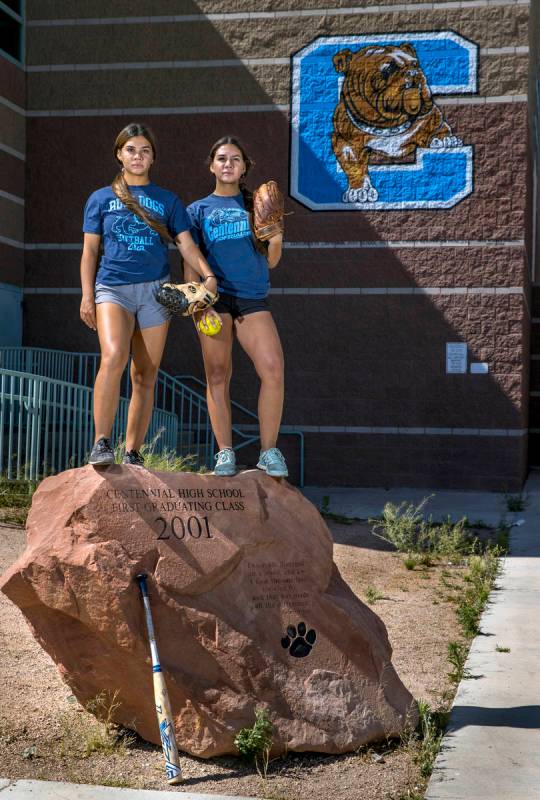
(273, 463)
(225, 462)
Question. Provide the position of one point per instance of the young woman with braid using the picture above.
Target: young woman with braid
(221, 225)
(134, 220)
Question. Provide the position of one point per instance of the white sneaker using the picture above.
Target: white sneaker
(273, 463)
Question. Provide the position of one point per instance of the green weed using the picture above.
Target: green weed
(424, 743)
(15, 500)
(410, 562)
(160, 460)
(372, 595)
(515, 502)
(480, 578)
(94, 732)
(404, 526)
(500, 649)
(399, 524)
(457, 655)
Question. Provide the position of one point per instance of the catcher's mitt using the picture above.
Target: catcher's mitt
(185, 298)
(268, 210)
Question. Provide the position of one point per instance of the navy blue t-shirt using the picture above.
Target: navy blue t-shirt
(220, 226)
(132, 251)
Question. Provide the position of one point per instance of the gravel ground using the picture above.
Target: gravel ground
(44, 732)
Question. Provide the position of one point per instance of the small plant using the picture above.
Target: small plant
(410, 562)
(500, 649)
(85, 734)
(161, 461)
(480, 577)
(457, 655)
(424, 743)
(399, 524)
(15, 500)
(515, 502)
(256, 742)
(372, 595)
(404, 526)
(503, 537)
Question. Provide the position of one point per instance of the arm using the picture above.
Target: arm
(195, 264)
(274, 250)
(88, 276)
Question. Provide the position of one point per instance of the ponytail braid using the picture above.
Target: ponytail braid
(261, 247)
(121, 190)
(120, 187)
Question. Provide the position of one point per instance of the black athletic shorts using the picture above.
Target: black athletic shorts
(240, 306)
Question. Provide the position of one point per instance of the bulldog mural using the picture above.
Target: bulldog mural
(385, 107)
(366, 130)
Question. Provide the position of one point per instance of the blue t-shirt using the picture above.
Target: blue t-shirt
(132, 251)
(220, 226)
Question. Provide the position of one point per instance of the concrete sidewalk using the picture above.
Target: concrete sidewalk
(51, 790)
(491, 750)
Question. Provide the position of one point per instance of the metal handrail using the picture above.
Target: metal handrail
(171, 395)
(46, 425)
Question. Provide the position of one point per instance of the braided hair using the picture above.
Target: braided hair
(120, 186)
(247, 194)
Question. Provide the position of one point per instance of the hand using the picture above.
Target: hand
(207, 313)
(88, 312)
(276, 239)
(211, 314)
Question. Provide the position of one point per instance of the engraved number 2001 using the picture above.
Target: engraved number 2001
(193, 527)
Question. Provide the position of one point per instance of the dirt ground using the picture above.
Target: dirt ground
(43, 730)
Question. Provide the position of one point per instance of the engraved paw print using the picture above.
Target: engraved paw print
(299, 642)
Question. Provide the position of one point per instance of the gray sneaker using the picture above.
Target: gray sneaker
(225, 462)
(273, 463)
(102, 453)
(134, 458)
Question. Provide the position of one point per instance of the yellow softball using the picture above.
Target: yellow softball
(209, 325)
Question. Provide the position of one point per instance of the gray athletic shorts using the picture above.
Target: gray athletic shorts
(137, 298)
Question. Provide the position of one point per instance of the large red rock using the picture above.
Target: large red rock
(249, 609)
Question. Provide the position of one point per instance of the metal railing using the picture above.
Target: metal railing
(46, 425)
(172, 395)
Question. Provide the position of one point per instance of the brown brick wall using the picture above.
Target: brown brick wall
(80, 9)
(11, 174)
(12, 82)
(493, 26)
(171, 88)
(351, 360)
(494, 211)
(11, 265)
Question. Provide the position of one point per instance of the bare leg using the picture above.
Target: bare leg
(115, 328)
(217, 355)
(147, 349)
(258, 336)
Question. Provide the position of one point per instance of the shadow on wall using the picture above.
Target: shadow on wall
(351, 359)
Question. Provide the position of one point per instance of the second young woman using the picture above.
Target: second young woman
(221, 225)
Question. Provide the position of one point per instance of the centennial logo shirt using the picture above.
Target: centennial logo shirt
(220, 226)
